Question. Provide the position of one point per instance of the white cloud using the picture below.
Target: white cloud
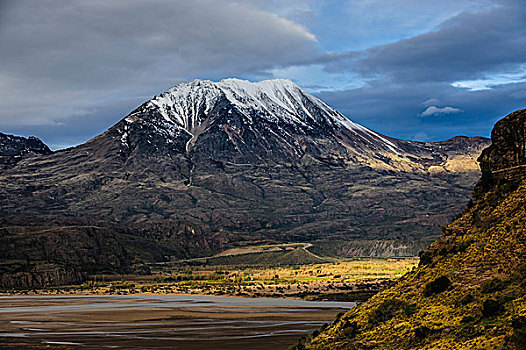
(434, 110)
(431, 102)
(494, 80)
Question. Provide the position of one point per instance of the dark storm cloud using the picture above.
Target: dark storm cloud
(68, 39)
(402, 77)
(65, 60)
(70, 69)
(464, 47)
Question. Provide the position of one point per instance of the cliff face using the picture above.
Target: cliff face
(509, 139)
(468, 291)
(505, 162)
(30, 275)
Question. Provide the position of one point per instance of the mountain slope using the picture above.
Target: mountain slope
(468, 291)
(254, 162)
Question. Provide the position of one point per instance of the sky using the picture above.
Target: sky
(411, 69)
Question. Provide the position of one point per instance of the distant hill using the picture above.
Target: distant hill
(36, 252)
(469, 291)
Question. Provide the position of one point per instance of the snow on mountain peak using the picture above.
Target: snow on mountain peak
(187, 105)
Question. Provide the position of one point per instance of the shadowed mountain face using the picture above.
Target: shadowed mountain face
(44, 252)
(469, 290)
(253, 162)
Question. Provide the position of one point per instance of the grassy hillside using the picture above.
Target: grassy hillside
(469, 291)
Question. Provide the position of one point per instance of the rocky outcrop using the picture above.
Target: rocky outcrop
(38, 275)
(508, 148)
(37, 252)
(15, 148)
(505, 160)
(381, 248)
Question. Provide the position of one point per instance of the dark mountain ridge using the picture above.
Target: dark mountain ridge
(15, 148)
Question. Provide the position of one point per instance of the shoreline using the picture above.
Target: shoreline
(245, 296)
(346, 281)
(357, 292)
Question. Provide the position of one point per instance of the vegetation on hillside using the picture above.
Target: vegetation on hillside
(469, 291)
(353, 280)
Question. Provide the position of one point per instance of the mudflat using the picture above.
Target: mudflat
(159, 321)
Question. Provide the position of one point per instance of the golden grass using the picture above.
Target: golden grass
(325, 278)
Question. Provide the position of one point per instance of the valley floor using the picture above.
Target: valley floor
(354, 280)
(158, 321)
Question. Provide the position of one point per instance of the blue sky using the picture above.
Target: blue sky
(411, 69)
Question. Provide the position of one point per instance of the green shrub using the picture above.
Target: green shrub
(492, 307)
(339, 315)
(422, 332)
(389, 309)
(349, 329)
(492, 285)
(439, 285)
(519, 331)
(467, 319)
(466, 299)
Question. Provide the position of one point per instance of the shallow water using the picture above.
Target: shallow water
(159, 321)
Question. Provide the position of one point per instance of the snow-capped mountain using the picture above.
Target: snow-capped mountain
(277, 101)
(253, 162)
(258, 122)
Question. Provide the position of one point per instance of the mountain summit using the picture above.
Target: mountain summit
(271, 120)
(278, 101)
(249, 163)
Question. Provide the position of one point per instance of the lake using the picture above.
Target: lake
(159, 321)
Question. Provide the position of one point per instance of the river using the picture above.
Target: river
(159, 321)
